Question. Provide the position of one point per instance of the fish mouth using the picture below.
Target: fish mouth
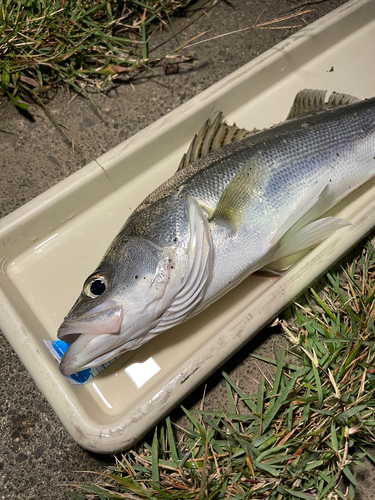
(88, 337)
(85, 352)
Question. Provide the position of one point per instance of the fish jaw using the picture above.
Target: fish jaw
(108, 320)
(83, 352)
(86, 336)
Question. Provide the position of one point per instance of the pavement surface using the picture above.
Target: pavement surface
(37, 455)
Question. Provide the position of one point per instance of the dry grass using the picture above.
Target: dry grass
(45, 43)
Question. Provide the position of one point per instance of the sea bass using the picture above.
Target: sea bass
(238, 202)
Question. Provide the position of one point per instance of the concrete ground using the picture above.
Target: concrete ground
(37, 455)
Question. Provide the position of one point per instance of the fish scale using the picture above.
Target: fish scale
(281, 172)
(166, 223)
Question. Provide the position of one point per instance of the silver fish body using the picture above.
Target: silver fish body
(219, 219)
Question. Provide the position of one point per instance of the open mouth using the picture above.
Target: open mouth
(91, 337)
(87, 351)
(103, 321)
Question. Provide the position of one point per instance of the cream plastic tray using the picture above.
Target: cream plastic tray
(60, 230)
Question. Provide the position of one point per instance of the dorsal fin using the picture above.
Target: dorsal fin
(310, 101)
(214, 134)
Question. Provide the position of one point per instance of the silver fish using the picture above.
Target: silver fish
(238, 202)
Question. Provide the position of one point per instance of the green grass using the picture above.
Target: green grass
(89, 45)
(85, 44)
(296, 439)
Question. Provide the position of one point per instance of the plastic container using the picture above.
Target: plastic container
(54, 238)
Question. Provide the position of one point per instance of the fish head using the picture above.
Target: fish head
(121, 302)
(144, 285)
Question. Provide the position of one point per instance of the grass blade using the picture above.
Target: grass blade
(155, 457)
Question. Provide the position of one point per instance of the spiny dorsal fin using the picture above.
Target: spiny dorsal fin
(310, 101)
(214, 134)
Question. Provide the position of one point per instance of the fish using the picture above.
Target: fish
(238, 202)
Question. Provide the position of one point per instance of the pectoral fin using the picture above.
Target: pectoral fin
(307, 237)
(306, 211)
(302, 229)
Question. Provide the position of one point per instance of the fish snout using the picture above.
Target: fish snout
(96, 323)
(67, 333)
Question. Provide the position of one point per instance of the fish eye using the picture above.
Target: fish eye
(95, 286)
